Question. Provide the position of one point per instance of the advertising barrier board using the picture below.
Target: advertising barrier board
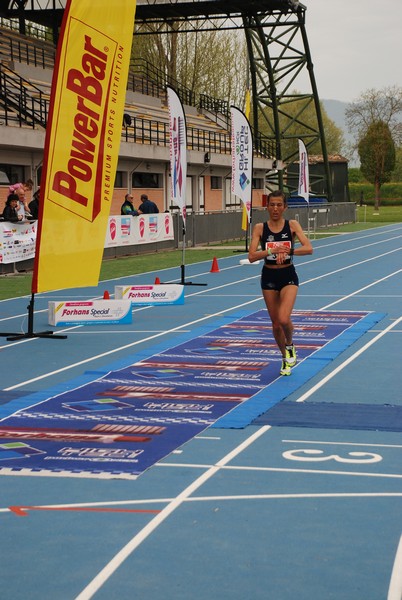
(89, 313)
(151, 294)
(18, 240)
(144, 229)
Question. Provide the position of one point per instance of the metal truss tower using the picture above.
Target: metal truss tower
(285, 101)
(280, 62)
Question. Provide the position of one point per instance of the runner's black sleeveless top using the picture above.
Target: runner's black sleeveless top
(270, 240)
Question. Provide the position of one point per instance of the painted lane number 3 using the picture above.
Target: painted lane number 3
(311, 455)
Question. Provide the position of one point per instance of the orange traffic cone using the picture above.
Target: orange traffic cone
(106, 295)
(214, 268)
(157, 281)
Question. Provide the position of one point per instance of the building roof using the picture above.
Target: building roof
(315, 159)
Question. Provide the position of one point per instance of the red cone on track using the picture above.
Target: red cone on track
(214, 268)
(106, 295)
(157, 281)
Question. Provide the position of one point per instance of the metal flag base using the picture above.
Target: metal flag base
(183, 266)
(183, 279)
(30, 333)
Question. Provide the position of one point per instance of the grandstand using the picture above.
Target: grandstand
(26, 67)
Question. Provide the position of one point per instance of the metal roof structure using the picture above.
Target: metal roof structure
(280, 63)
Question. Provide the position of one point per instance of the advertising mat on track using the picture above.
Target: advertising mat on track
(122, 423)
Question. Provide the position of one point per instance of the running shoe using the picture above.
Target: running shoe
(285, 370)
(291, 355)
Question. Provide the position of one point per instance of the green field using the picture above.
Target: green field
(367, 219)
(12, 286)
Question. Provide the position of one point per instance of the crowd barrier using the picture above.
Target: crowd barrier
(18, 240)
(128, 236)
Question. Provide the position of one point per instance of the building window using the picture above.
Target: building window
(258, 183)
(216, 183)
(11, 174)
(118, 182)
(146, 180)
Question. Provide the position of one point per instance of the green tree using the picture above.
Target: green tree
(355, 175)
(204, 62)
(397, 172)
(300, 121)
(377, 156)
(376, 105)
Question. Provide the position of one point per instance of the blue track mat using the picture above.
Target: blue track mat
(308, 365)
(127, 419)
(324, 415)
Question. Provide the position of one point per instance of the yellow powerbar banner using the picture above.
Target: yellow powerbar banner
(82, 142)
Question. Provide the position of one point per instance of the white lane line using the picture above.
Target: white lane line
(197, 293)
(340, 367)
(284, 470)
(125, 552)
(297, 496)
(342, 443)
(328, 274)
(153, 501)
(120, 348)
(366, 287)
(94, 504)
(346, 240)
(179, 328)
(395, 584)
(352, 265)
(308, 262)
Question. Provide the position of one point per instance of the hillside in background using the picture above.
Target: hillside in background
(336, 111)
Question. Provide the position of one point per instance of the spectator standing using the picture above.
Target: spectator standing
(34, 205)
(127, 208)
(147, 206)
(21, 189)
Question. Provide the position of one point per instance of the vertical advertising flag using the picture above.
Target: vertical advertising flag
(242, 158)
(82, 142)
(178, 151)
(304, 184)
(247, 109)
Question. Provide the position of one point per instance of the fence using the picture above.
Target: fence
(214, 228)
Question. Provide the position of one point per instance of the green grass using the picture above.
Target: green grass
(386, 214)
(367, 219)
(13, 286)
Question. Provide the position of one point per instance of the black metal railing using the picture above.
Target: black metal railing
(27, 105)
(21, 101)
(142, 69)
(214, 105)
(31, 54)
(19, 106)
(25, 49)
(34, 49)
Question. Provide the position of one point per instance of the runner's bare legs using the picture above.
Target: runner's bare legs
(280, 306)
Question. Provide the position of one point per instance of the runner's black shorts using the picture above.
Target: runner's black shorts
(276, 279)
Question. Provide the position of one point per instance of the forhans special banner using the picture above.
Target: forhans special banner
(242, 158)
(82, 142)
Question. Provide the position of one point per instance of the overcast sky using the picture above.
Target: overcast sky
(355, 45)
